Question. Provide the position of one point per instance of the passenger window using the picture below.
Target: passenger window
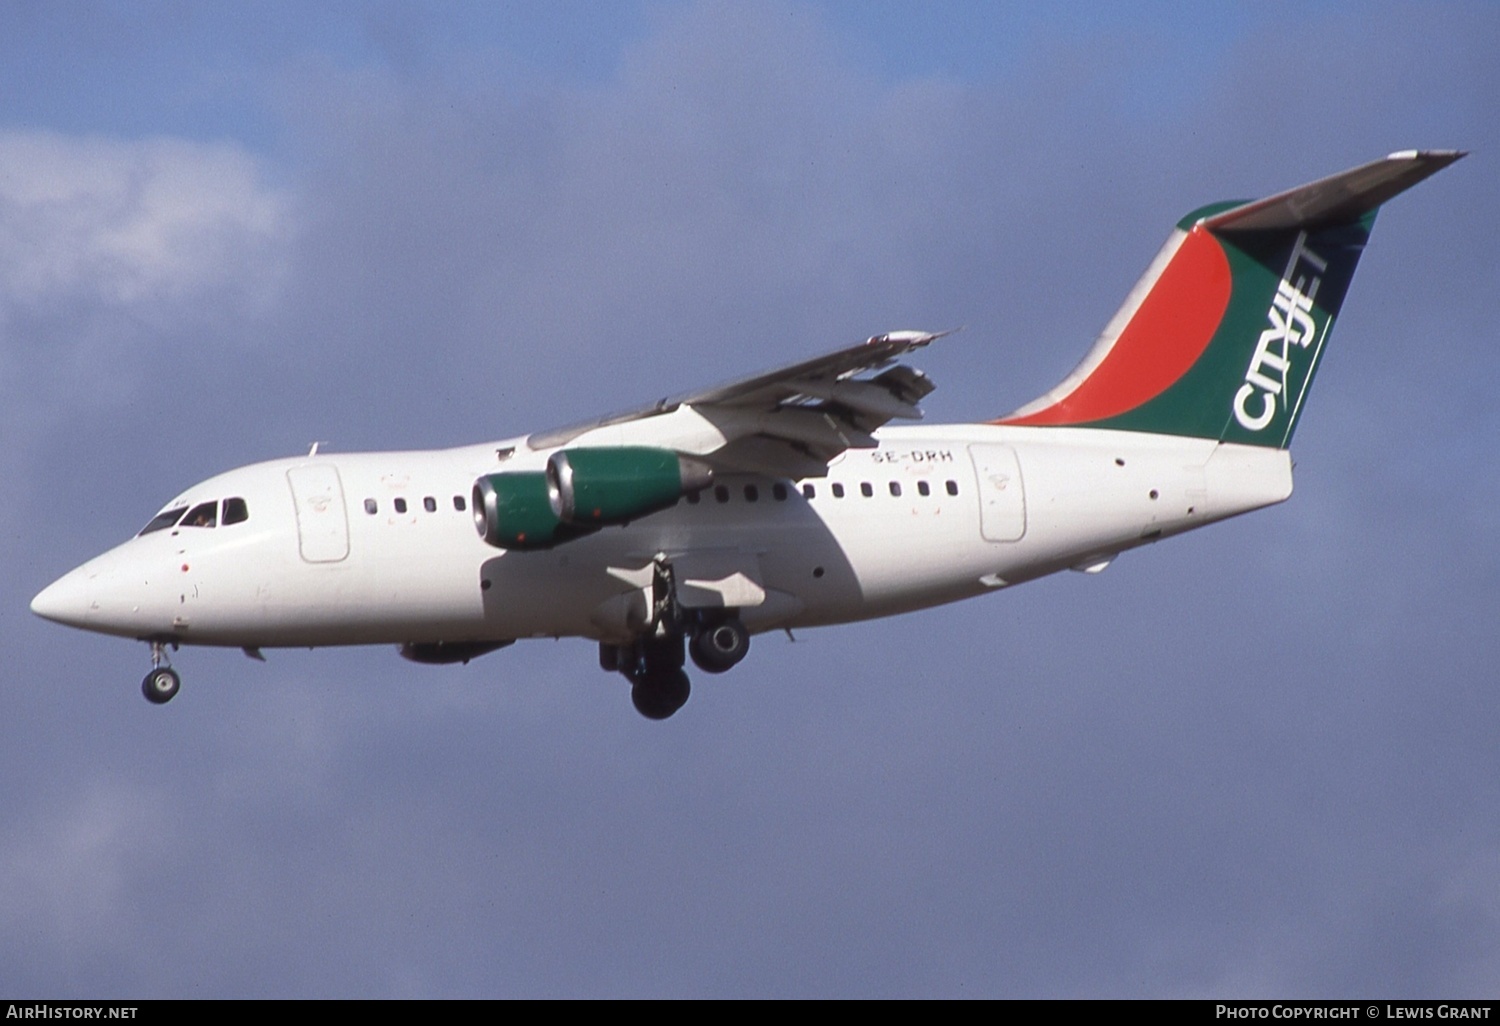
(693, 498)
(923, 488)
(165, 519)
(752, 493)
(952, 487)
(721, 494)
(896, 489)
(235, 512)
(778, 491)
(400, 505)
(866, 489)
(205, 514)
(838, 490)
(429, 504)
(370, 507)
(458, 503)
(809, 492)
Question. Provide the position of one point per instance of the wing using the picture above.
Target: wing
(786, 423)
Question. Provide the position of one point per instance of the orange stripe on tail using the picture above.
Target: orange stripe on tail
(1171, 329)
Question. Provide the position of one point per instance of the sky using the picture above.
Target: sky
(1255, 761)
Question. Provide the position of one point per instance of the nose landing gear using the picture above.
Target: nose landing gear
(162, 683)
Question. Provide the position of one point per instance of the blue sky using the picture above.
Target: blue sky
(1257, 760)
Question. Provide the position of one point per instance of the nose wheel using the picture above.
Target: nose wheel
(162, 683)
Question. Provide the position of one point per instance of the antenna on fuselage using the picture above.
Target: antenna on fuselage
(314, 450)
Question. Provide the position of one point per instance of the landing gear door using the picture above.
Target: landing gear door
(1002, 499)
(322, 524)
(718, 579)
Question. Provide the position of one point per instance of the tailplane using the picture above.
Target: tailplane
(1221, 336)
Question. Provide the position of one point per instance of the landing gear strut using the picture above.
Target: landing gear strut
(162, 683)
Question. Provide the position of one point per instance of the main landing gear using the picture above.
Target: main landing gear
(716, 639)
(162, 683)
(720, 644)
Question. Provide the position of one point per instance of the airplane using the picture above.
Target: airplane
(785, 500)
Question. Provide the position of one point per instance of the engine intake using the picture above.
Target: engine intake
(512, 511)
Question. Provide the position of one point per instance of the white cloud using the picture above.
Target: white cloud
(130, 222)
(116, 254)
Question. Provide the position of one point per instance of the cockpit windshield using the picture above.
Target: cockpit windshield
(165, 519)
(205, 514)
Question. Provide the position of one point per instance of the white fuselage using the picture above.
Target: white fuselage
(930, 515)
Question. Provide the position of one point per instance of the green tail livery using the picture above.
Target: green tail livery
(1222, 335)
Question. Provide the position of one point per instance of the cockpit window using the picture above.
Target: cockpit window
(165, 519)
(205, 514)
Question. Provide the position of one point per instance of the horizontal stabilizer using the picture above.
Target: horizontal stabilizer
(1337, 199)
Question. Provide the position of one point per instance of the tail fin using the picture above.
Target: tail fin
(1221, 336)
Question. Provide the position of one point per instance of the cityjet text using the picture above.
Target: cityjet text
(1291, 323)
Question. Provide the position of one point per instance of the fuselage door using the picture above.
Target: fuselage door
(322, 524)
(1002, 500)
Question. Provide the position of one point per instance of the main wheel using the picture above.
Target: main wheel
(721, 646)
(657, 696)
(662, 655)
(161, 685)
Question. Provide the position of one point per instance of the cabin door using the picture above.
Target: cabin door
(322, 523)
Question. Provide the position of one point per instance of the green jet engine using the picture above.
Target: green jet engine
(511, 511)
(581, 491)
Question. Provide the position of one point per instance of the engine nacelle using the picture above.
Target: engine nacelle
(513, 511)
(593, 487)
(581, 491)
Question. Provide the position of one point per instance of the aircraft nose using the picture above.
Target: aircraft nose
(65, 600)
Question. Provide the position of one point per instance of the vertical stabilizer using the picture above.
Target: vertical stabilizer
(1222, 335)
